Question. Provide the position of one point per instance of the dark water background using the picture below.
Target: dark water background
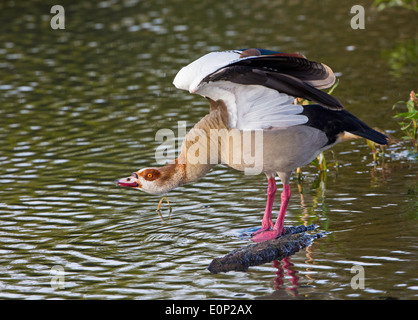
(80, 107)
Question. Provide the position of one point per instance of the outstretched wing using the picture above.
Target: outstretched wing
(292, 74)
(259, 86)
(253, 107)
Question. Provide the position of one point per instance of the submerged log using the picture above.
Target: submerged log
(293, 239)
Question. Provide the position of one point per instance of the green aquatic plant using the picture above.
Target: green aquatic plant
(407, 4)
(378, 150)
(403, 57)
(409, 122)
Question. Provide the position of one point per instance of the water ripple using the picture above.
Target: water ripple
(80, 110)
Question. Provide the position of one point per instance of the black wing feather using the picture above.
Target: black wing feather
(298, 67)
(289, 81)
(335, 122)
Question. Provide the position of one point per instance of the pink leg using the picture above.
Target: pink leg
(267, 223)
(285, 196)
(278, 226)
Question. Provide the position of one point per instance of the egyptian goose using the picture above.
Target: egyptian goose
(253, 90)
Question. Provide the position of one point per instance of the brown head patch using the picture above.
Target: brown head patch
(150, 174)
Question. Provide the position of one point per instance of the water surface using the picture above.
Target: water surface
(80, 107)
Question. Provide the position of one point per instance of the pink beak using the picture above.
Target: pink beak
(131, 181)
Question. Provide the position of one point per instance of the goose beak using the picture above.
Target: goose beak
(131, 181)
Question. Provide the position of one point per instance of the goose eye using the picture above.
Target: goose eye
(149, 175)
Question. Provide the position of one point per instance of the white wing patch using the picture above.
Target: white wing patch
(189, 77)
(253, 107)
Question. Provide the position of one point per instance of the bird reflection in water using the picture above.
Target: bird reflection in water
(286, 265)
